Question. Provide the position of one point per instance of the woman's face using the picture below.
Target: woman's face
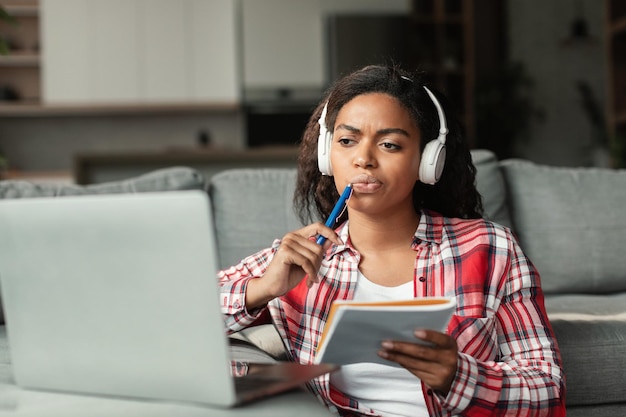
(376, 147)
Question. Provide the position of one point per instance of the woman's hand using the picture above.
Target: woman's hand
(298, 256)
(435, 364)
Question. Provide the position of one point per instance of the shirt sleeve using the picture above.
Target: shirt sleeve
(525, 376)
(233, 282)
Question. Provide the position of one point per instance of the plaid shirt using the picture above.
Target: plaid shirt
(509, 363)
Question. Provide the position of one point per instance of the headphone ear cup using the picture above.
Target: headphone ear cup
(433, 160)
(323, 145)
(323, 152)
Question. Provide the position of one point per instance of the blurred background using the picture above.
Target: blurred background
(129, 85)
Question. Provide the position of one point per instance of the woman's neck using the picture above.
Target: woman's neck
(382, 232)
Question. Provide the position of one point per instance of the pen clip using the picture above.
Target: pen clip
(343, 210)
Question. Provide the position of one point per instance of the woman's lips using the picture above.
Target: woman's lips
(364, 183)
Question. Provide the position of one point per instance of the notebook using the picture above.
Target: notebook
(117, 295)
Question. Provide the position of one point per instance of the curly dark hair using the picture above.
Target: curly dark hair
(454, 195)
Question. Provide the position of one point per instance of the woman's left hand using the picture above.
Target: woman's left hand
(435, 364)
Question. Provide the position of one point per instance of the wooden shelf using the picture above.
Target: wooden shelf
(20, 71)
(35, 109)
(20, 59)
(21, 10)
(50, 177)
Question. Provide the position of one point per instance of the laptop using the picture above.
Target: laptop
(117, 295)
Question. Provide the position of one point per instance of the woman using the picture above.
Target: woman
(412, 228)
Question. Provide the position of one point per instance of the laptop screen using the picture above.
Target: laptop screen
(115, 294)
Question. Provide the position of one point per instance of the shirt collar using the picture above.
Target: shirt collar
(429, 229)
(342, 231)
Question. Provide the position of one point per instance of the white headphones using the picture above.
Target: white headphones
(433, 157)
(323, 145)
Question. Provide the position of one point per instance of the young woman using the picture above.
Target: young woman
(412, 228)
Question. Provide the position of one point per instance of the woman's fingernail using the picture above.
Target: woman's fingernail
(387, 344)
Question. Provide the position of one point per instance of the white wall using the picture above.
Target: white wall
(138, 51)
(537, 31)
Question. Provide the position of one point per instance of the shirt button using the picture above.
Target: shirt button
(236, 304)
(422, 279)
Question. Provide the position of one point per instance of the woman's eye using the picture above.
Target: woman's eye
(390, 146)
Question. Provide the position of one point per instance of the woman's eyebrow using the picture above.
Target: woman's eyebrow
(396, 130)
(385, 131)
(349, 128)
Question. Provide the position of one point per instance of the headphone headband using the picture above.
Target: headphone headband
(443, 127)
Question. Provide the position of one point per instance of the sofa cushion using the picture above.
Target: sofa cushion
(252, 207)
(166, 179)
(570, 223)
(490, 185)
(591, 333)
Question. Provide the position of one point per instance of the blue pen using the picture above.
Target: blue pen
(330, 222)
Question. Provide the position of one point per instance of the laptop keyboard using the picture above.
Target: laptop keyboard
(254, 384)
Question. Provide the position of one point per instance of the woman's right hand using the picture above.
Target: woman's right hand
(297, 257)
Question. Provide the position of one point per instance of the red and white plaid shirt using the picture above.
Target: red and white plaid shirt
(509, 363)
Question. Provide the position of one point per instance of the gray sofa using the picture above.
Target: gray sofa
(568, 220)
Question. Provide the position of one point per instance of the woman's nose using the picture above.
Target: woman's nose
(364, 157)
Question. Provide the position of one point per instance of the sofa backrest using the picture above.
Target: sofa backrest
(490, 185)
(252, 207)
(571, 224)
(166, 179)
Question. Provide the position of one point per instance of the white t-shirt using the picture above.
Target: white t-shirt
(388, 390)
